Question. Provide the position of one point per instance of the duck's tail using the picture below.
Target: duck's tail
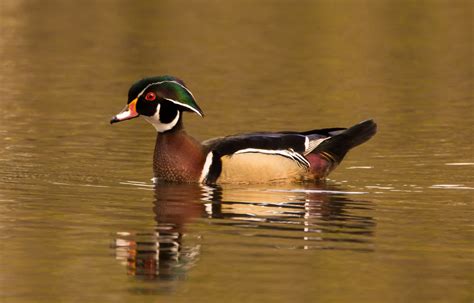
(337, 146)
(328, 154)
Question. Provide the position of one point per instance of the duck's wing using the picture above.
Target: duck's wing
(277, 146)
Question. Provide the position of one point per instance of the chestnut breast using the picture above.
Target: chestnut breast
(178, 157)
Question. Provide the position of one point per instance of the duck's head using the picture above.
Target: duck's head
(160, 100)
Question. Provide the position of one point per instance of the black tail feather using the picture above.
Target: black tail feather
(338, 145)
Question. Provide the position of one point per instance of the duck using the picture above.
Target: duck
(258, 157)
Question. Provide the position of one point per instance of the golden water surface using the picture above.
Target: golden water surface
(81, 222)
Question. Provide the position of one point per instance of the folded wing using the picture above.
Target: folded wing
(264, 155)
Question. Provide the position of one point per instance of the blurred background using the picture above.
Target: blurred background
(81, 221)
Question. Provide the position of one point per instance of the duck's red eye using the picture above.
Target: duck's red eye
(151, 96)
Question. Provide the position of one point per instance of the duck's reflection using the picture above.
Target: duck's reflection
(309, 216)
(303, 217)
(162, 253)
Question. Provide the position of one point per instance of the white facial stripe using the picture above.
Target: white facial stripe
(155, 121)
(184, 105)
(171, 100)
(207, 166)
(160, 82)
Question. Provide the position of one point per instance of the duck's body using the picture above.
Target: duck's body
(246, 158)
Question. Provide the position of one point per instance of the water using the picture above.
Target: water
(81, 221)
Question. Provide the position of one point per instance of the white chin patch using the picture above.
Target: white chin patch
(158, 125)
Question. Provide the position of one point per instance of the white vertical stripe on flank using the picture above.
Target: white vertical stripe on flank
(207, 166)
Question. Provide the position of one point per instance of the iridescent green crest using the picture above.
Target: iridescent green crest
(177, 93)
(166, 87)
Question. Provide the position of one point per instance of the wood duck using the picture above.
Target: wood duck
(259, 157)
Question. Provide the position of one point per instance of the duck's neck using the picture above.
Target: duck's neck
(178, 157)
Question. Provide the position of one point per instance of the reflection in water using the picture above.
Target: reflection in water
(310, 217)
(162, 253)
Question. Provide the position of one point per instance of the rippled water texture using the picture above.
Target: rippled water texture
(80, 220)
